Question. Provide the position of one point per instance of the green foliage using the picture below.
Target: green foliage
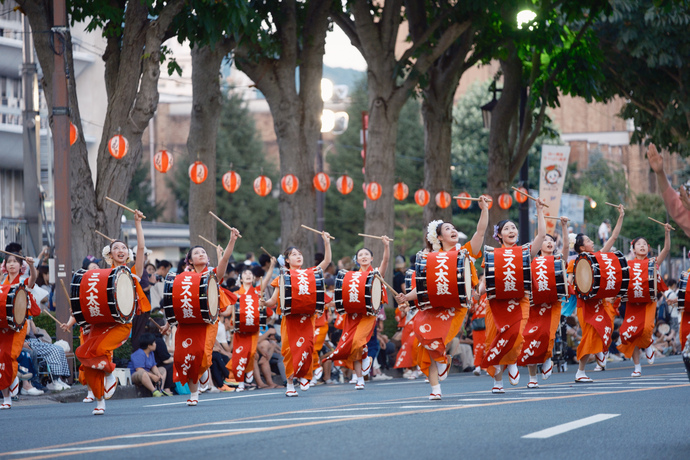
(240, 149)
(646, 46)
(139, 195)
(346, 213)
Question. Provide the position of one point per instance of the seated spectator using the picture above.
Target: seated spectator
(26, 372)
(460, 348)
(143, 366)
(222, 354)
(665, 339)
(163, 357)
(38, 342)
(265, 348)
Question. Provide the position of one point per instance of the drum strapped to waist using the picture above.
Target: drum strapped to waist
(15, 302)
(411, 283)
(191, 298)
(358, 292)
(601, 275)
(683, 291)
(301, 291)
(103, 296)
(549, 279)
(507, 272)
(444, 279)
(642, 287)
(249, 315)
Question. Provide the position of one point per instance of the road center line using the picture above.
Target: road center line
(212, 399)
(564, 428)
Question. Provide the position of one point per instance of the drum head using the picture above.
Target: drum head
(583, 275)
(20, 304)
(467, 272)
(376, 293)
(664, 328)
(281, 287)
(124, 290)
(212, 293)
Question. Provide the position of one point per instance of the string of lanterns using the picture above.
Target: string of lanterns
(118, 146)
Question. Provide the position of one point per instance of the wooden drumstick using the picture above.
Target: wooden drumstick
(554, 218)
(267, 253)
(374, 236)
(469, 198)
(104, 236)
(316, 231)
(64, 288)
(54, 318)
(527, 195)
(222, 222)
(13, 254)
(160, 329)
(127, 208)
(395, 293)
(658, 222)
(211, 242)
(613, 205)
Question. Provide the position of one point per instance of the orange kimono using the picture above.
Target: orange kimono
(407, 355)
(12, 342)
(437, 326)
(244, 345)
(478, 311)
(320, 333)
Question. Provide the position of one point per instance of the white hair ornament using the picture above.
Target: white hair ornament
(432, 236)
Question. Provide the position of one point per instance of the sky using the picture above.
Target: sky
(340, 53)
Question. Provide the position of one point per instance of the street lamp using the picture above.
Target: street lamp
(489, 107)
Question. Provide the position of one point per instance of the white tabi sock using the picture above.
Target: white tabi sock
(194, 395)
(360, 380)
(638, 367)
(100, 403)
(436, 389)
(498, 383)
(290, 387)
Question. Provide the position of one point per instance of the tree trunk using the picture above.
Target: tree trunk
(207, 101)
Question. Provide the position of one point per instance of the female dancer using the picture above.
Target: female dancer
(478, 311)
(197, 261)
(11, 342)
(243, 343)
(502, 327)
(543, 320)
(437, 326)
(358, 329)
(96, 353)
(297, 330)
(594, 342)
(640, 311)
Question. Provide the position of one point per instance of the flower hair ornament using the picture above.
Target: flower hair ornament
(22, 270)
(432, 236)
(571, 240)
(109, 258)
(496, 233)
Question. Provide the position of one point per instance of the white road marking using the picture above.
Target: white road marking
(316, 411)
(653, 383)
(409, 382)
(213, 399)
(71, 449)
(565, 427)
(292, 419)
(496, 398)
(434, 406)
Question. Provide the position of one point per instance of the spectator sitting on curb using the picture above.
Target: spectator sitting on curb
(143, 367)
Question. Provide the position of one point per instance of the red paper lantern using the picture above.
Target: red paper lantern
(289, 183)
(344, 184)
(198, 172)
(505, 200)
(400, 191)
(421, 196)
(73, 133)
(231, 181)
(442, 199)
(519, 197)
(163, 161)
(322, 182)
(118, 146)
(373, 191)
(262, 185)
(464, 204)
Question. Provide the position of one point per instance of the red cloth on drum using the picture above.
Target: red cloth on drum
(434, 329)
(357, 332)
(297, 335)
(96, 353)
(142, 301)
(227, 299)
(190, 352)
(540, 333)
(596, 321)
(399, 317)
(504, 331)
(339, 322)
(11, 344)
(244, 348)
(407, 355)
(638, 327)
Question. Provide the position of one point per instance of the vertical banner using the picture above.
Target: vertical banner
(554, 165)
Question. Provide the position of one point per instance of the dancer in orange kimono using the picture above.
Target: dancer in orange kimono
(544, 317)
(11, 341)
(351, 350)
(96, 353)
(197, 367)
(504, 322)
(246, 336)
(436, 326)
(407, 355)
(640, 312)
(478, 311)
(320, 333)
(596, 335)
(297, 329)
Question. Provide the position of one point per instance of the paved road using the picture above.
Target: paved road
(615, 417)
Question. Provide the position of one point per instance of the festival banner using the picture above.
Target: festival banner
(554, 165)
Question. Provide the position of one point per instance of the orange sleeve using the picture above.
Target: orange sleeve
(571, 267)
(276, 282)
(468, 247)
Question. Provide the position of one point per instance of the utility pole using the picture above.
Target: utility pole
(32, 144)
(63, 201)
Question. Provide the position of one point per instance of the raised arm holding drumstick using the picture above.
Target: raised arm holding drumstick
(677, 203)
